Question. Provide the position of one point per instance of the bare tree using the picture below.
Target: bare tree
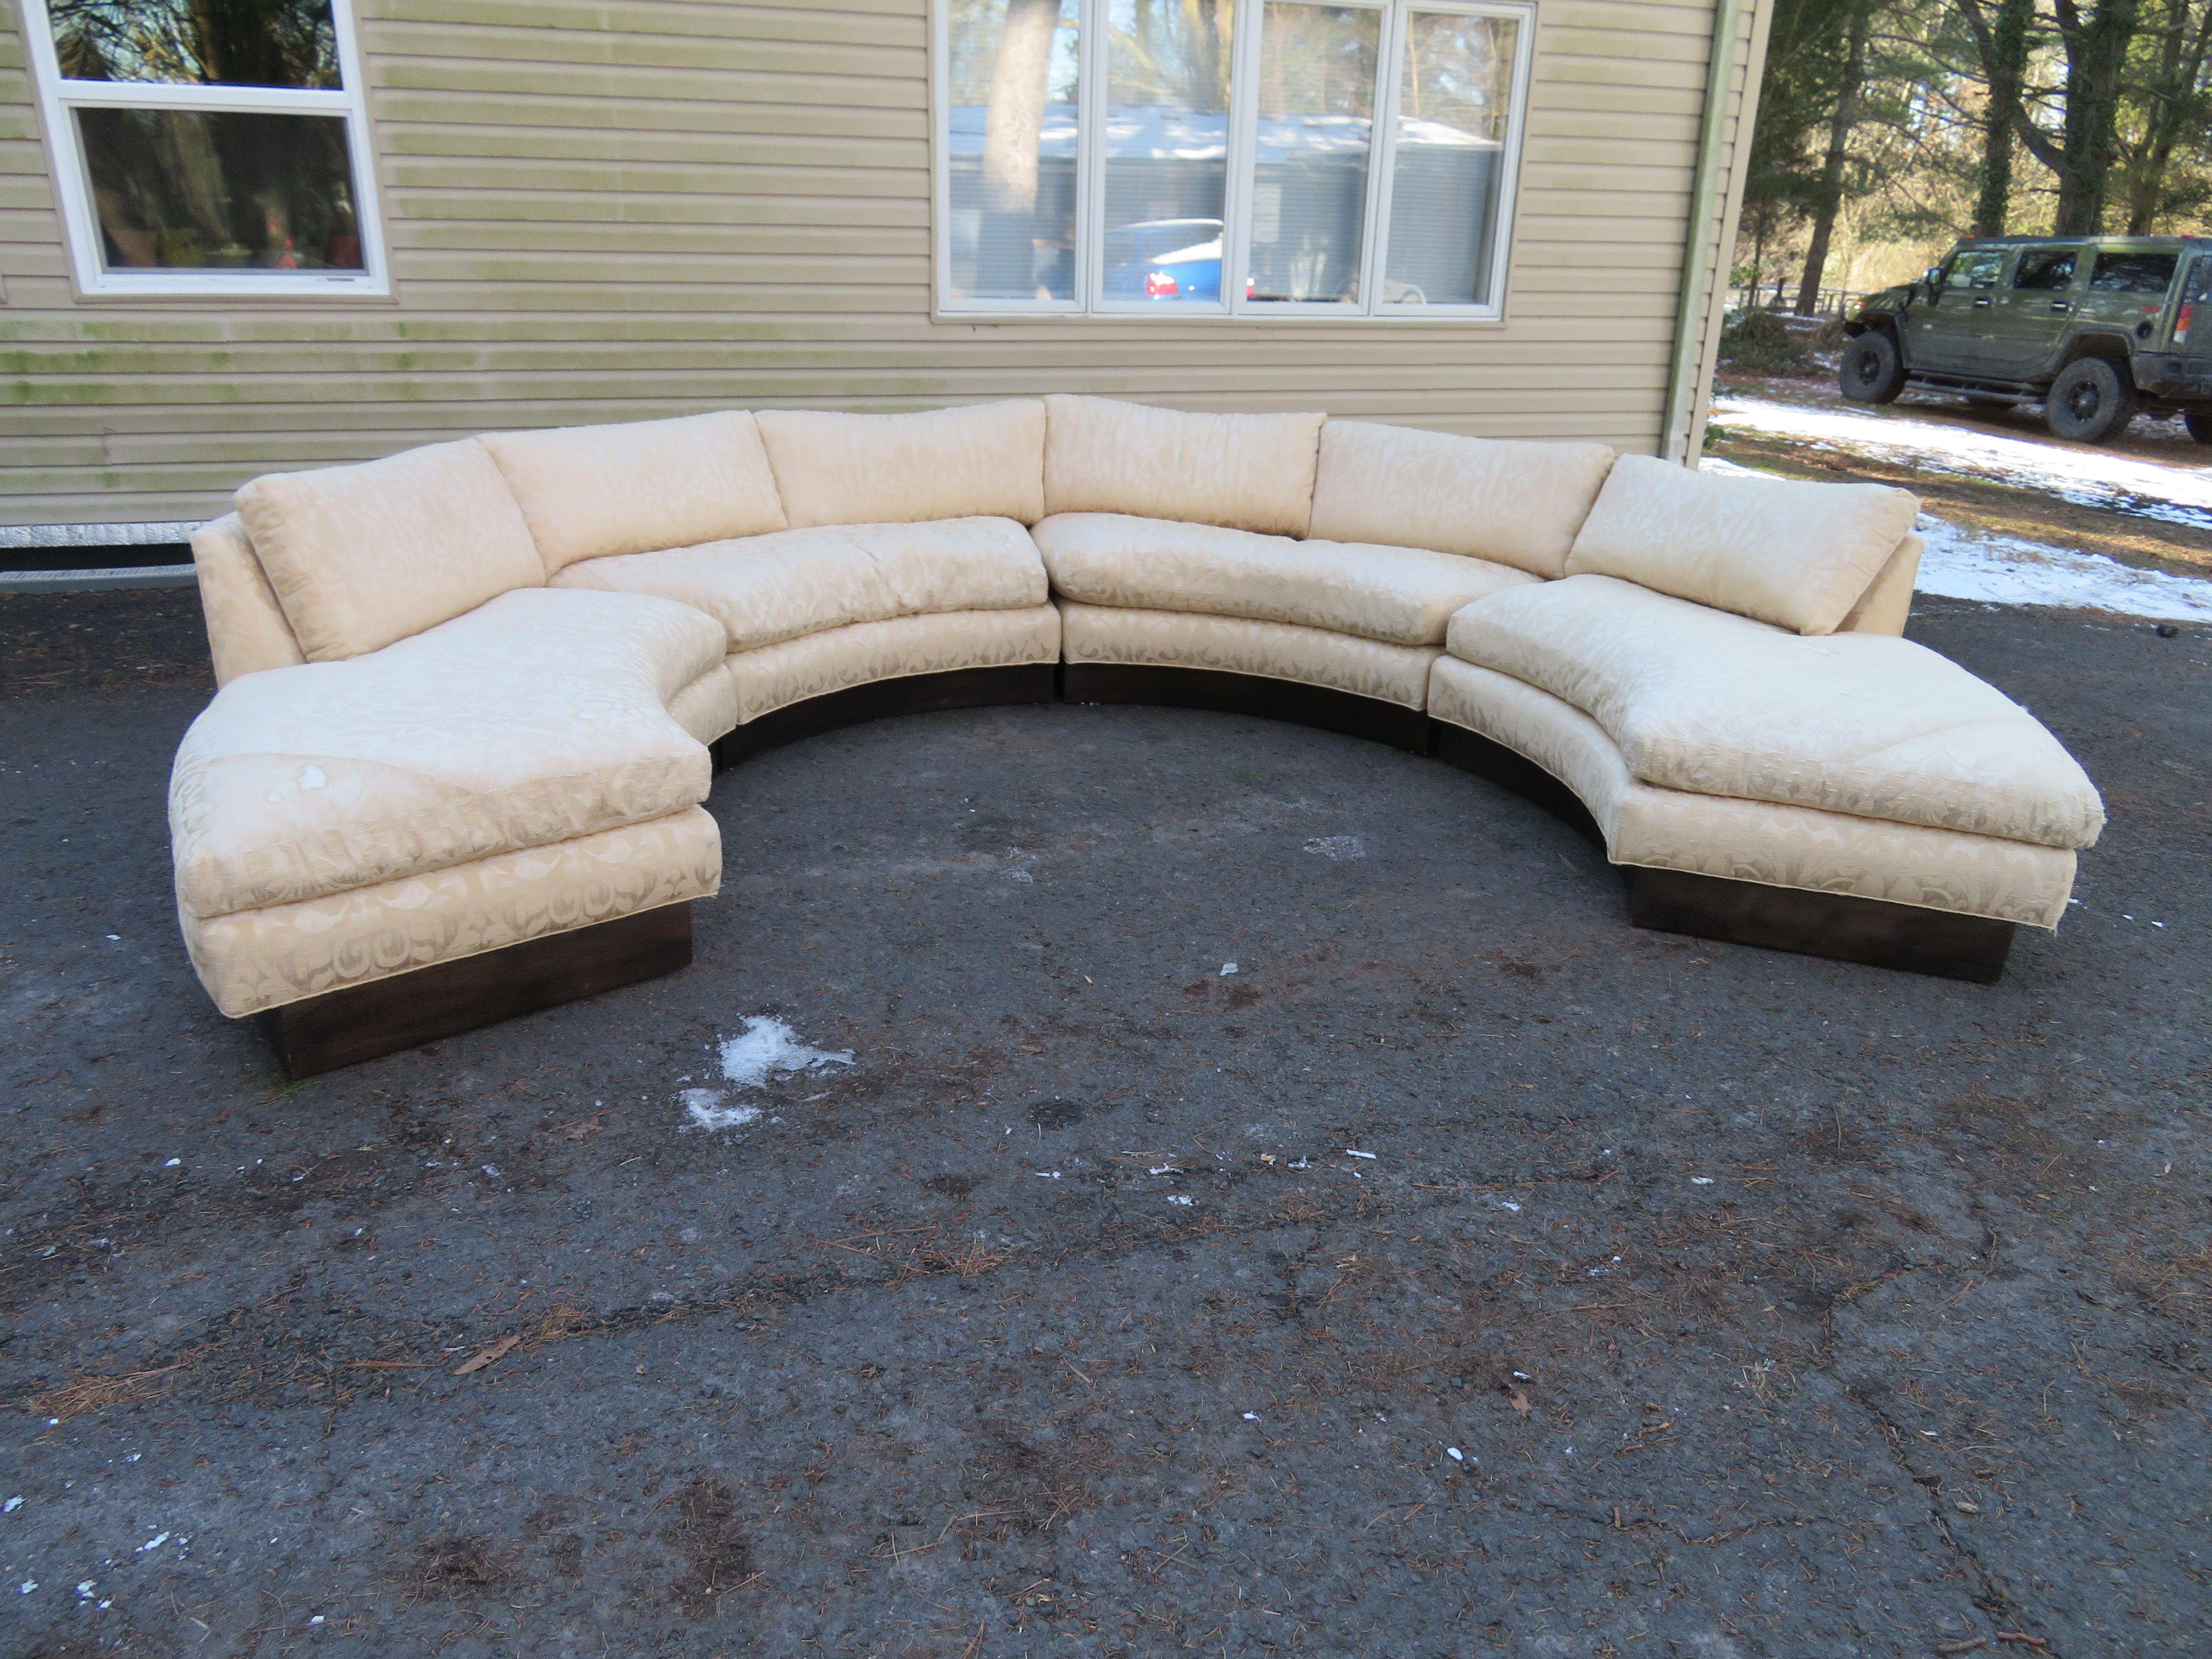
(1828, 200)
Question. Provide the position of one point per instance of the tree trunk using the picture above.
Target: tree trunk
(1831, 198)
(1006, 244)
(1017, 113)
(2172, 110)
(2096, 59)
(2007, 68)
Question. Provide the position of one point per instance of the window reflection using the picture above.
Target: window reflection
(212, 43)
(1012, 79)
(204, 190)
(1455, 95)
(1309, 175)
(1167, 148)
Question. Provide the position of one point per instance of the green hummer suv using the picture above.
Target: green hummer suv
(2097, 328)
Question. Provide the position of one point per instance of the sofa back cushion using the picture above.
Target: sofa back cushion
(1796, 555)
(1514, 503)
(589, 491)
(986, 460)
(362, 556)
(1243, 471)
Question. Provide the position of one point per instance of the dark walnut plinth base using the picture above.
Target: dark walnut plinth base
(344, 1028)
(915, 694)
(1249, 694)
(1839, 926)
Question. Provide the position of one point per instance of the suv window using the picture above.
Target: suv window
(1976, 267)
(2132, 273)
(2049, 269)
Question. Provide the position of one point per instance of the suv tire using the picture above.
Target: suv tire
(2199, 422)
(1871, 372)
(2091, 402)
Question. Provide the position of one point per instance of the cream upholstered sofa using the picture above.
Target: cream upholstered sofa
(472, 695)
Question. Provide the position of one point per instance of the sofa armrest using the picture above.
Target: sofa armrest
(1887, 601)
(246, 626)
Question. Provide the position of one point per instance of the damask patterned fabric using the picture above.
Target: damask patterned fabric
(1887, 606)
(589, 491)
(708, 707)
(1399, 594)
(1279, 651)
(766, 588)
(246, 626)
(1754, 841)
(986, 460)
(1514, 503)
(361, 556)
(1245, 471)
(1713, 704)
(259, 959)
(767, 679)
(1796, 555)
(536, 718)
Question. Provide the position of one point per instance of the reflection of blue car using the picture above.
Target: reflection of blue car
(1164, 259)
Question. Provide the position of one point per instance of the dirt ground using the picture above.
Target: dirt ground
(1985, 505)
(1466, 1272)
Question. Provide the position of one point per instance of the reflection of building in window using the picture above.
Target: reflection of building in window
(208, 148)
(1127, 170)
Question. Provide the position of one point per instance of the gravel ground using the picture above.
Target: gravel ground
(1466, 1272)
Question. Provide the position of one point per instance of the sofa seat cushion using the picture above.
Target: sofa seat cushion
(538, 717)
(360, 556)
(1713, 704)
(1754, 841)
(1401, 595)
(766, 588)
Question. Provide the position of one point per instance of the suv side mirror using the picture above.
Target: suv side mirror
(1933, 276)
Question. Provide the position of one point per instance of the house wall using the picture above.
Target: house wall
(614, 210)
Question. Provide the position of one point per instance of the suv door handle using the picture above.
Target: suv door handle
(1983, 300)
(2062, 305)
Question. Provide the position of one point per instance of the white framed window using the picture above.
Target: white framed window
(209, 148)
(1247, 158)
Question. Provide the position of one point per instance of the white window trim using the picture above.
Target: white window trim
(1242, 145)
(58, 98)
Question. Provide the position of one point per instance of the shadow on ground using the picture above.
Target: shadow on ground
(1466, 1272)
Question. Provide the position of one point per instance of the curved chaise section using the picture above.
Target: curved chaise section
(472, 695)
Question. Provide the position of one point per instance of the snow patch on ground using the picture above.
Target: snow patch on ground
(1338, 848)
(2086, 477)
(765, 1049)
(2003, 570)
(1966, 564)
(705, 1110)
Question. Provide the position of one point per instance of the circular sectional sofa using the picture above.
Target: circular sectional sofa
(472, 695)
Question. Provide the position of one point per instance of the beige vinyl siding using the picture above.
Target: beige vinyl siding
(615, 211)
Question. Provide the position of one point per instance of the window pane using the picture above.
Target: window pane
(193, 191)
(211, 43)
(1167, 148)
(2046, 269)
(1453, 105)
(1012, 158)
(1316, 124)
(2133, 273)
